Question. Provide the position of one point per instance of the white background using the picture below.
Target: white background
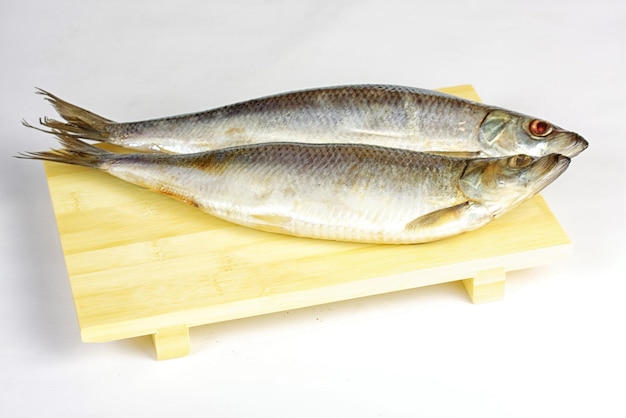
(553, 347)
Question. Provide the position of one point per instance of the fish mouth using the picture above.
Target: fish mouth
(544, 170)
(549, 168)
(577, 144)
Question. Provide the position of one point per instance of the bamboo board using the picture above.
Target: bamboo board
(140, 263)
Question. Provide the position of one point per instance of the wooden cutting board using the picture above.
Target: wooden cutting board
(140, 263)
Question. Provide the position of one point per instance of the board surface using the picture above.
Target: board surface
(140, 263)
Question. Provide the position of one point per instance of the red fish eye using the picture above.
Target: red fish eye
(540, 128)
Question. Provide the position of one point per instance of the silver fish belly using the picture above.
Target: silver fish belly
(382, 115)
(344, 192)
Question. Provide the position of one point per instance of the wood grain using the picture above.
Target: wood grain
(140, 263)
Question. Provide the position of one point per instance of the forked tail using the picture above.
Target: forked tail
(79, 122)
(74, 151)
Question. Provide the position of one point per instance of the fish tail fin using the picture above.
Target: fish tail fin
(74, 151)
(78, 123)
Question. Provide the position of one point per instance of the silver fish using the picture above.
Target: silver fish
(345, 192)
(389, 116)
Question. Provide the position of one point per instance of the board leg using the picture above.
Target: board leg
(171, 342)
(487, 286)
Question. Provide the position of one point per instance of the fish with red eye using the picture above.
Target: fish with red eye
(540, 128)
(380, 115)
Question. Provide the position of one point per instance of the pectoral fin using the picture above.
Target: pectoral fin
(449, 221)
(272, 222)
(457, 154)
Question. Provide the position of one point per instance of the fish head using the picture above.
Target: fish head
(502, 183)
(508, 133)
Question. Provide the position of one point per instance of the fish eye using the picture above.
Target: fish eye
(520, 161)
(540, 128)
